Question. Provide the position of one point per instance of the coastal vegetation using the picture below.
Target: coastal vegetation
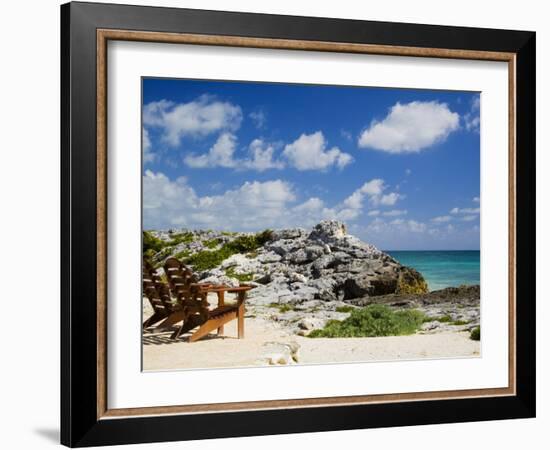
(475, 334)
(208, 259)
(373, 320)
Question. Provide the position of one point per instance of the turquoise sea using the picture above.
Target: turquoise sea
(442, 269)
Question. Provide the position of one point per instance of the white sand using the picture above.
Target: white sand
(161, 353)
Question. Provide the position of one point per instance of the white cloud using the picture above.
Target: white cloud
(475, 199)
(442, 219)
(164, 201)
(416, 227)
(261, 156)
(314, 204)
(395, 213)
(373, 190)
(390, 199)
(471, 118)
(408, 171)
(221, 154)
(148, 155)
(373, 213)
(378, 225)
(196, 119)
(465, 210)
(309, 152)
(259, 118)
(251, 206)
(373, 187)
(469, 218)
(411, 127)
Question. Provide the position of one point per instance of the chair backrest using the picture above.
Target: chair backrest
(180, 277)
(157, 292)
(184, 285)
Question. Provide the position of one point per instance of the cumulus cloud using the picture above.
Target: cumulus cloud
(471, 118)
(475, 199)
(166, 203)
(251, 206)
(373, 213)
(374, 192)
(222, 154)
(410, 128)
(309, 152)
(469, 218)
(196, 119)
(262, 157)
(148, 155)
(219, 155)
(442, 219)
(390, 199)
(395, 213)
(379, 225)
(457, 210)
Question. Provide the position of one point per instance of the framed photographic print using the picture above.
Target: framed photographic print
(277, 224)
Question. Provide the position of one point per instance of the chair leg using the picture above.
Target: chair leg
(156, 317)
(240, 315)
(185, 327)
(172, 319)
(221, 302)
(240, 321)
(211, 325)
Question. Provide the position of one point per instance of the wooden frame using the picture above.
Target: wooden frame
(86, 418)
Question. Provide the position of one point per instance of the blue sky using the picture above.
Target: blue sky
(399, 166)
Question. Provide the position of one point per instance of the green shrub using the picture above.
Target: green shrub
(208, 259)
(475, 334)
(242, 277)
(182, 238)
(151, 242)
(460, 322)
(250, 242)
(373, 320)
(282, 307)
(344, 309)
(211, 243)
(444, 319)
(182, 255)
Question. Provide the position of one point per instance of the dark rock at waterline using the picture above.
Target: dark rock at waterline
(463, 295)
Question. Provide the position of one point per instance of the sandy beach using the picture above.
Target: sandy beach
(266, 343)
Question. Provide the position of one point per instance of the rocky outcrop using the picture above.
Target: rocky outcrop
(295, 265)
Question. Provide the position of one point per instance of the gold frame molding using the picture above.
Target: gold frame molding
(105, 35)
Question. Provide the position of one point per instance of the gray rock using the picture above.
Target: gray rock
(298, 277)
(269, 257)
(311, 323)
(328, 230)
(289, 233)
(221, 281)
(300, 256)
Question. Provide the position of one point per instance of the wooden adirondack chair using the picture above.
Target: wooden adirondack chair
(192, 296)
(158, 294)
